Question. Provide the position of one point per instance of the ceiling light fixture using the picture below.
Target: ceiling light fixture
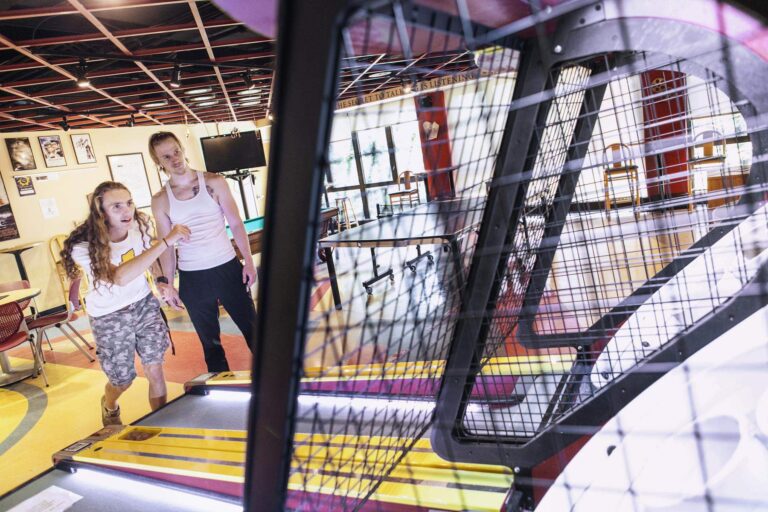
(203, 98)
(379, 74)
(175, 77)
(248, 80)
(154, 104)
(131, 122)
(249, 103)
(64, 124)
(208, 103)
(81, 75)
(198, 90)
(248, 92)
(407, 86)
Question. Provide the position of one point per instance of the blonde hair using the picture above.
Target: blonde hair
(158, 138)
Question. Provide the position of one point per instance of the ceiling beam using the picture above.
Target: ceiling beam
(30, 55)
(27, 121)
(60, 10)
(134, 32)
(211, 56)
(132, 70)
(104, 30)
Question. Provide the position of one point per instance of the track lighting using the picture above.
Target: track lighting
(175, 77)
(64, 124)
(131, 122)
(248, 80)
(407, 86)
(81, 75)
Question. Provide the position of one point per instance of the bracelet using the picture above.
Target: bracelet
(161, 279)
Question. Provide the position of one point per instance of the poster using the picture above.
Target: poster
(130, 171)
(20, 153)
(8, 229)
(81, 142)
(53, 152)
(25, 185)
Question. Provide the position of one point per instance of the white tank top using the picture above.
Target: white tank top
(208, 245)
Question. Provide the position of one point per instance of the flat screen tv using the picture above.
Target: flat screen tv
(226, 153)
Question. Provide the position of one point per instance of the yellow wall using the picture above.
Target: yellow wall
(69, 184)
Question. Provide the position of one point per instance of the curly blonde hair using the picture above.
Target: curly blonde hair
(95, 232)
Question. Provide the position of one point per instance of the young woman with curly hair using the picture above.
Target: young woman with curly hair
(114, 247)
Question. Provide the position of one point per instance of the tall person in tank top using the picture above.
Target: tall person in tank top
(209, 271)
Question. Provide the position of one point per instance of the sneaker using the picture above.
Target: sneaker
(110, 417)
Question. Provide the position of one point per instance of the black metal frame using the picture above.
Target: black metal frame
(305, 84)
(585, 33)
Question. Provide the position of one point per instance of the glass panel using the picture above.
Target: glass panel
(374, 153)
(408, 154)
(341, 156)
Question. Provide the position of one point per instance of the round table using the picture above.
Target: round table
(18, 295)
(8, 375)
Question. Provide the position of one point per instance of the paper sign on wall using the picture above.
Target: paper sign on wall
(49, 207)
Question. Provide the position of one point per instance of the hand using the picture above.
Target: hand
(249, 275)
(170, 296)
(178, 232)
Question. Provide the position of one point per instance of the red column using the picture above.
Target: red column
(665, 110)
(436, 148)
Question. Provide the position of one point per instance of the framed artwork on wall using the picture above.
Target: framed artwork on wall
(53, 151)
(20, 152)
(84, 152)
(129, 170)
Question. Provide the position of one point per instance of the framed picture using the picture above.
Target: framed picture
(53, 151)
(20, 152)
(83, 148)
(129, 170)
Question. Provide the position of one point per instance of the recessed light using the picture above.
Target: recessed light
(249, 103)
(199, 90)
(203, 98)
(248, 92)
(154, 104)
(207, 103)
(379, 74)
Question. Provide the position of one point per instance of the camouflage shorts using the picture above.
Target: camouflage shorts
(138, 327)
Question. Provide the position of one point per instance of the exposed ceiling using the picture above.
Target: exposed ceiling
(130, 49)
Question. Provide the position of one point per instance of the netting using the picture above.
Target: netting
(633, 220)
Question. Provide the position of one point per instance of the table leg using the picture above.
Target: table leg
(20, 265)
(456, 256)
(332, 275)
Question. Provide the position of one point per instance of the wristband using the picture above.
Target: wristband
(161, 279)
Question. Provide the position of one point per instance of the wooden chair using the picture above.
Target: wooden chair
(11, 318)
(348, 218)
(55, 245)
(405, 195)
(707, 151)
(619, 165)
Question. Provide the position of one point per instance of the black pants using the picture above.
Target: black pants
(202, 291)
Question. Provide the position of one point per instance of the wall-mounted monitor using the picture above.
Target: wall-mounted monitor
(226, 153)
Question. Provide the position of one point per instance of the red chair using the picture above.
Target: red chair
(11, 318)
(63, 319)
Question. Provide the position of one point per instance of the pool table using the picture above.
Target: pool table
(255, 227)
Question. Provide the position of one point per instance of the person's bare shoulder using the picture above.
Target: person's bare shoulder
(215, 183)
(160, 199)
